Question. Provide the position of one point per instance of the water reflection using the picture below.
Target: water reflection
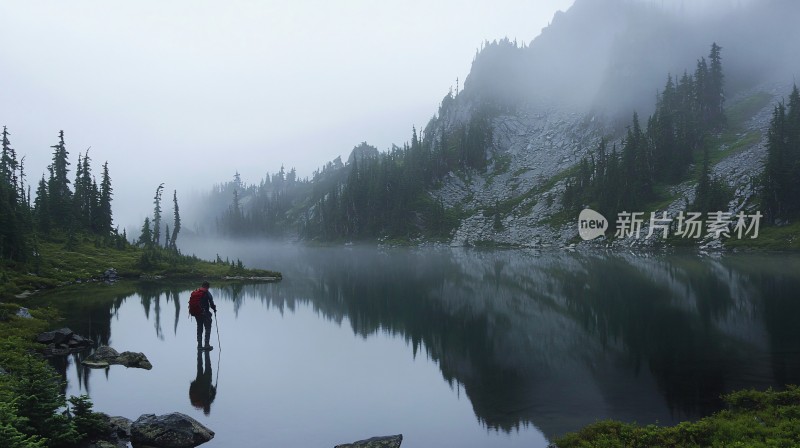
(553, 340)
(201, 390)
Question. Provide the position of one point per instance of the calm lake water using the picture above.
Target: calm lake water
(450, 347)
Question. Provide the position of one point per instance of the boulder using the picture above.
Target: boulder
(118, 433)
(24, 313)
(120, 426)
(104, 353)
(62, 336)
(131, 359)
(376, 442)
(48, 337)
(62, 342)
(173, 430)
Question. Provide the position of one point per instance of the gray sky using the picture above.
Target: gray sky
(188, 92)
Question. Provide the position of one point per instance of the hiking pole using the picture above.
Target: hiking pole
(216, 324)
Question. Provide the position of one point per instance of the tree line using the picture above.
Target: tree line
(780, 196)
(57, 208)
(375, 194)
(660, 153)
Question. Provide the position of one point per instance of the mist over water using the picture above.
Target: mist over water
(450, 346)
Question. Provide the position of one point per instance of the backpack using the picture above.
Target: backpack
(195, 309)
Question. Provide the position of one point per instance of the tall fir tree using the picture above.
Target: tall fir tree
(157, 215)
(58, 190)
(176, 224)
(106, 221)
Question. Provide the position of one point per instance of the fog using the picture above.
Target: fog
(188, 93)
(613, 56)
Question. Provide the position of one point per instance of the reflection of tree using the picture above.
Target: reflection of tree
(531, 338)
(524, 333)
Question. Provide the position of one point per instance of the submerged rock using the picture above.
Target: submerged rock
(376, 442)
(173, 430)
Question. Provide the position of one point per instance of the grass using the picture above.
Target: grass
(769, 238)
(739, 113)
(752, 419)
(84, 260)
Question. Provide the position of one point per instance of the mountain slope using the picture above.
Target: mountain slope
(491, 167)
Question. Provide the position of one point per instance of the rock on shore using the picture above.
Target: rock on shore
(173, 430)
(376, 442)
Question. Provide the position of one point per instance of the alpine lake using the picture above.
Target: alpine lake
(448, 346)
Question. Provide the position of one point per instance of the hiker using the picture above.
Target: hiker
(200, 305)
(201, 391)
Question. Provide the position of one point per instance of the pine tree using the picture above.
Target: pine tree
(157, 215)
(58, 191)
(41, 207)
(176, 225)
(104, 204)
(146, 237)
(38, 389)
(715, 95)
(13, 208)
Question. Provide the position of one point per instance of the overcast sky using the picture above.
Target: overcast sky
(189, 92)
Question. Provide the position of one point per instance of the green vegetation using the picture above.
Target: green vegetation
(31, 401)
(752, 419)
(660, 153)
(87, 259)
(781, 179)
(65, 235)
(772, 238)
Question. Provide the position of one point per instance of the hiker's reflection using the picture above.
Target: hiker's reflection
(201, 391)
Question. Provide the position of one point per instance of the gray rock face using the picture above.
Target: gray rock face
(105, 356)
(376, 442)
(173, 430)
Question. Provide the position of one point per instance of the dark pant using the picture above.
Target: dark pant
(203, 321)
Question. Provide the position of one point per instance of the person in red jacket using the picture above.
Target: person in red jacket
(204, 318)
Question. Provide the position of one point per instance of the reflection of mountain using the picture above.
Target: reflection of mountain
(560, 340)
(553, 340)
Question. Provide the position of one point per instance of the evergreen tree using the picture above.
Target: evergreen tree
(781, 177)
(13, 207)
(104, 204)
(58, 191)
(146, 237)
(176, 225)
(715, 95)
(41, 208)
(157, 215)
(38, 389)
